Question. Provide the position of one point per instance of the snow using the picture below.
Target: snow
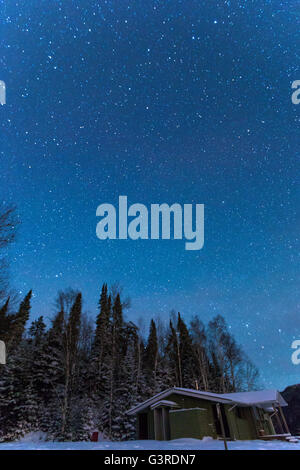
(36, 442)
(256, 397)
(34, 437)
(260, 397)
(164, 403)
(179, 391)
(188, 409)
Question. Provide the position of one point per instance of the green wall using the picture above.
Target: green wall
(241, 427)
(195, 423)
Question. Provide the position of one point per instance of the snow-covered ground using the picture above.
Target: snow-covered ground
(35, 442)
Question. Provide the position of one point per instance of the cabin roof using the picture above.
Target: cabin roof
(168, 403)
(261, 398)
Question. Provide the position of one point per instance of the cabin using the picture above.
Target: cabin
(186, 413)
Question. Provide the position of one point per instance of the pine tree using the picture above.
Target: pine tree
(151, 351)
(54, 379)
(5, 322)
(116, 359)
(173, 357)
(74, 326)
(40, 365)
(71, 337)
(102, 341)
(150, 362)
(37, 331)
(186, 355)
(126, 388)
(102, 320)
(19, 403)
(68, 381)
(19, 322)
(9, 390)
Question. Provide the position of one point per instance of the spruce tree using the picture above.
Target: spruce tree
(19, 322)
(173, 357)
(116, 360)
(37, 331)
(71, 337)
(102, 339)
(5, 321)
(54, 358)
(74, 326)
(186, 355)
(52, 381)
(150, 362)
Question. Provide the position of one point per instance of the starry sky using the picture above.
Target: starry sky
(163, 101)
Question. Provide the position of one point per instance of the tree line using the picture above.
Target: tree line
(75, 376)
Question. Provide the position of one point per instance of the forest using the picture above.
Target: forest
(83, 373)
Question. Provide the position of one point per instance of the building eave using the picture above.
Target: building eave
(275, 400)
(178, 391)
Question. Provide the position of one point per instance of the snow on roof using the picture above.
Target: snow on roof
(188, 409)
(258, 398)
(200, 393)
(179, 391)
(169, 403)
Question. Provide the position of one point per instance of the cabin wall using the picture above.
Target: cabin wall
(195, 423)
(241, 423)
(189, 402)
(194, 418)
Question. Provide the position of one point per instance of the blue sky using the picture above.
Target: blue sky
(162, 101)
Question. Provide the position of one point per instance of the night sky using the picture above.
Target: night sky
(169, 101)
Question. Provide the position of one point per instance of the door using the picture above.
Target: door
(158, 424)
(161, 424)
(218, 422)
(143, 426)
